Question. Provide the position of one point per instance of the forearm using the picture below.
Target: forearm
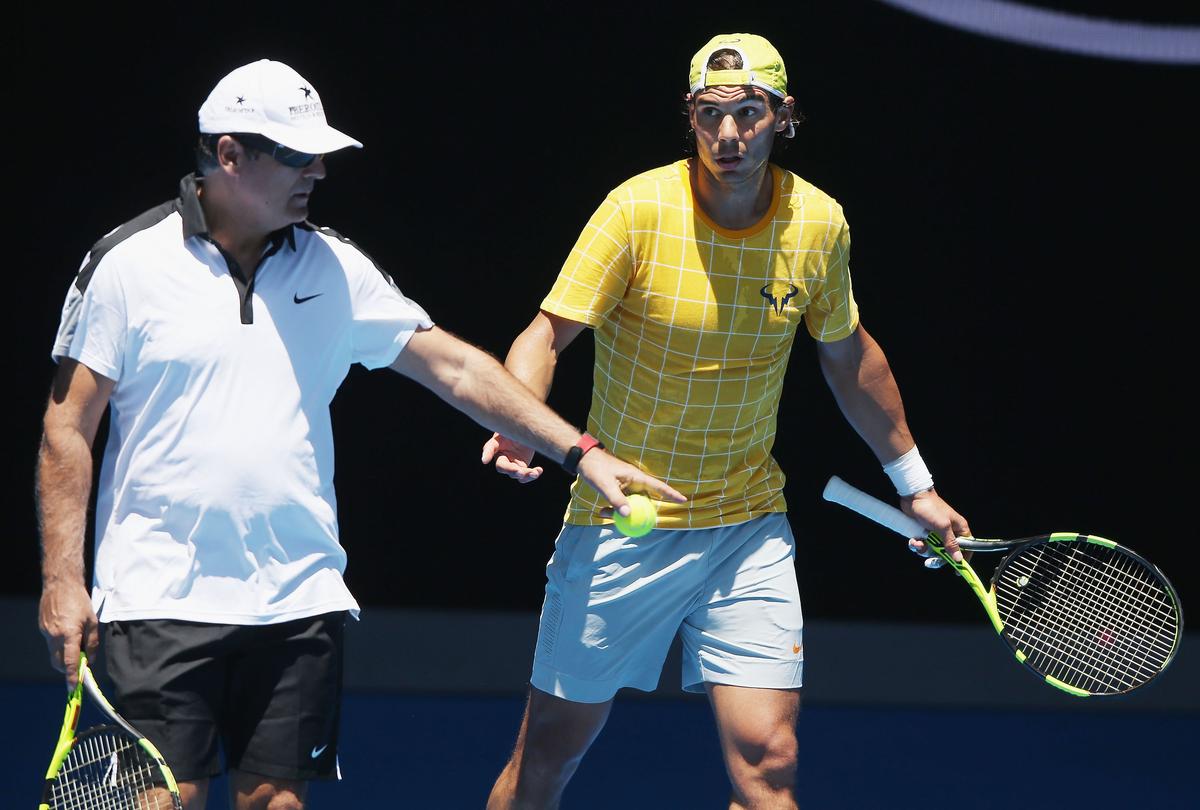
(532, 360)
(867, 394)
(64, 482)
(516, 411)
(534, 354)
(63, 485)
(862, 383)
(475, 383)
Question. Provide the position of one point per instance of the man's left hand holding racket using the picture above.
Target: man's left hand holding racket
(67, 620)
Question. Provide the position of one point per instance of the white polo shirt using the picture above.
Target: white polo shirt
(216, 499)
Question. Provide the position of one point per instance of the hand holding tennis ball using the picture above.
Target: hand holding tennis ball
(642, 517)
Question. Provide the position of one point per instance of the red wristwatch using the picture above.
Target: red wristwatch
(586, 442)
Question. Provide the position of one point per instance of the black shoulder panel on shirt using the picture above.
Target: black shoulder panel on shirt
(331, 232)
(141, 222)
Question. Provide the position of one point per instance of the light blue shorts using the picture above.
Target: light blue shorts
(614, 604)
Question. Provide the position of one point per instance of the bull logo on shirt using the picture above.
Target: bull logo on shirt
(779, 293)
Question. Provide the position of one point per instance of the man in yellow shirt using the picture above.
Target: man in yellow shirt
(694, 278)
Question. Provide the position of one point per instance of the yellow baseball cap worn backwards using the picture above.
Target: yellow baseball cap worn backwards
(762, 66)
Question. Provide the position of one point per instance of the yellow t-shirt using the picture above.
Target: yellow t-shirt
(693, 327)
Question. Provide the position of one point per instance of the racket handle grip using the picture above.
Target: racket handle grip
(838, 491)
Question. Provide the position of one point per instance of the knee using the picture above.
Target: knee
(276, 799)
(268, 794)
(546, 751)
(767, 759)
(285, 800)
(556, 733)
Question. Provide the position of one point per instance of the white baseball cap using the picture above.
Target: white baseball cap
(271, 99)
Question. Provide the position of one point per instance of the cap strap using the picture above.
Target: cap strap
(732, 78)
(727, 77)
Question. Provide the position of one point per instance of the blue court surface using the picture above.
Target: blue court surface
(434, 751)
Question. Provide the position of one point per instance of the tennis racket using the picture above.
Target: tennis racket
(1086, 615)
(110, 766)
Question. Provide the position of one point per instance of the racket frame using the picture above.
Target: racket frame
(840, 492)
(86, 682)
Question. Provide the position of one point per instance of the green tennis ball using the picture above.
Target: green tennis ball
(642, 516)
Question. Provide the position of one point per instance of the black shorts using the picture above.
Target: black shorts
(271, 694)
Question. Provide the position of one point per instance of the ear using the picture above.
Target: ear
(783, 114)
(230, 154)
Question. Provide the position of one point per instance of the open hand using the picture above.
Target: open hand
(512, 459)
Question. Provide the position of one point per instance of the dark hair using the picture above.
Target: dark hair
(206, 150)
(729, 59)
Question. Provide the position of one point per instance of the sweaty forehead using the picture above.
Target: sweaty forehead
(725, 94)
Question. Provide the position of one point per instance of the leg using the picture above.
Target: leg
(613, 605)
(249, 791)
(166, 679)
(757, 728)
(281, 729)
(554, 736)
(745, 647)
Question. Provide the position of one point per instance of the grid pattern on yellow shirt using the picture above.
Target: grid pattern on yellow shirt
(693, 327)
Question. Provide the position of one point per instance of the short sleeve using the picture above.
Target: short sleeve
(832, 313)
(93, 328)
(596, 274)
(383, 318)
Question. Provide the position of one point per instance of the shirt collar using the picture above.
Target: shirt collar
(194, 223)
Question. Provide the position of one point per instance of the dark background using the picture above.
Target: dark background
(1025, 249)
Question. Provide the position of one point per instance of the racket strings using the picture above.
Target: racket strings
(108, 770)
(1089, 649)
(1102, 646)
(1130, 610)
(1090, 616)
(1062, 650)
(1123, 660)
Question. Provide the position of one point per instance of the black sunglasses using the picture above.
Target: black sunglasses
(286, 155)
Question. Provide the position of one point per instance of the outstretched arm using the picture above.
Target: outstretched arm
(861, 380)
(531, 359)
(476, 384)
(64, 483)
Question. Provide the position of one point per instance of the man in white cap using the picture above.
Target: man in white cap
(694, 278)
(217, 328)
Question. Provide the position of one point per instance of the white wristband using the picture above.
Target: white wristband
(909, 474)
